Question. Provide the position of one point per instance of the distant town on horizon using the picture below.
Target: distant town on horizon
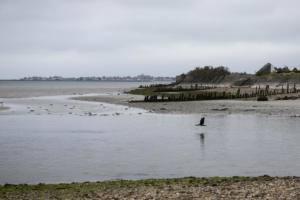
(138, 78)
(266, 69)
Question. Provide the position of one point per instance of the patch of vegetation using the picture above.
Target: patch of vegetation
(286, 70)
(136, 189)
(88, 186)
(268, 69)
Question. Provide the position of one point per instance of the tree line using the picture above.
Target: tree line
(207, 74)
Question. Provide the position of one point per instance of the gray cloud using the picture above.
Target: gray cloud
(127, 37)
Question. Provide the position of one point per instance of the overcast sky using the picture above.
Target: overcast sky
(156, 37)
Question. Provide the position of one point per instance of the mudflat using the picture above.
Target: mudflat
(118, 96)
(4, 108)
(23, 92)
(276, 107)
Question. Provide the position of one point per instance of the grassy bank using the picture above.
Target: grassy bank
(179, 188)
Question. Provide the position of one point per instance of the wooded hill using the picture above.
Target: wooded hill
(222, 75)
(207, 74)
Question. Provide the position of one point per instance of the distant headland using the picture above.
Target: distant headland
(267, 74)
(215, 83)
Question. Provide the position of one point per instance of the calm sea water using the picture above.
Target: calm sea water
(75, 84)
(66, 148)
(55, 149)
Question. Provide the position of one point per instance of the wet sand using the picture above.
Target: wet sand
(3, 108)
(280, 107)
(117, 96)
(62, 105)
(21, 92)
(38, 99)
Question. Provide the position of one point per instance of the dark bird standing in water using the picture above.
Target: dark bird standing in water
(201, 123)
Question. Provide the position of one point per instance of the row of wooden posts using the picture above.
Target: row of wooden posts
(182, 89)
(214, 95)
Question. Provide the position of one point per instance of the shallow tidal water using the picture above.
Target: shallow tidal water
(70, 148)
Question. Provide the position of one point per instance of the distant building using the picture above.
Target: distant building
(266, 69)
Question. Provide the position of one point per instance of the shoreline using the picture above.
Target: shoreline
(278, 107)
(238, 187)
(119, 96)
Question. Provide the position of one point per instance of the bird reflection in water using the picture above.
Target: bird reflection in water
(202, 137)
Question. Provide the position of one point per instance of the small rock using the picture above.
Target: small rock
(90, 114)
(219, 109)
